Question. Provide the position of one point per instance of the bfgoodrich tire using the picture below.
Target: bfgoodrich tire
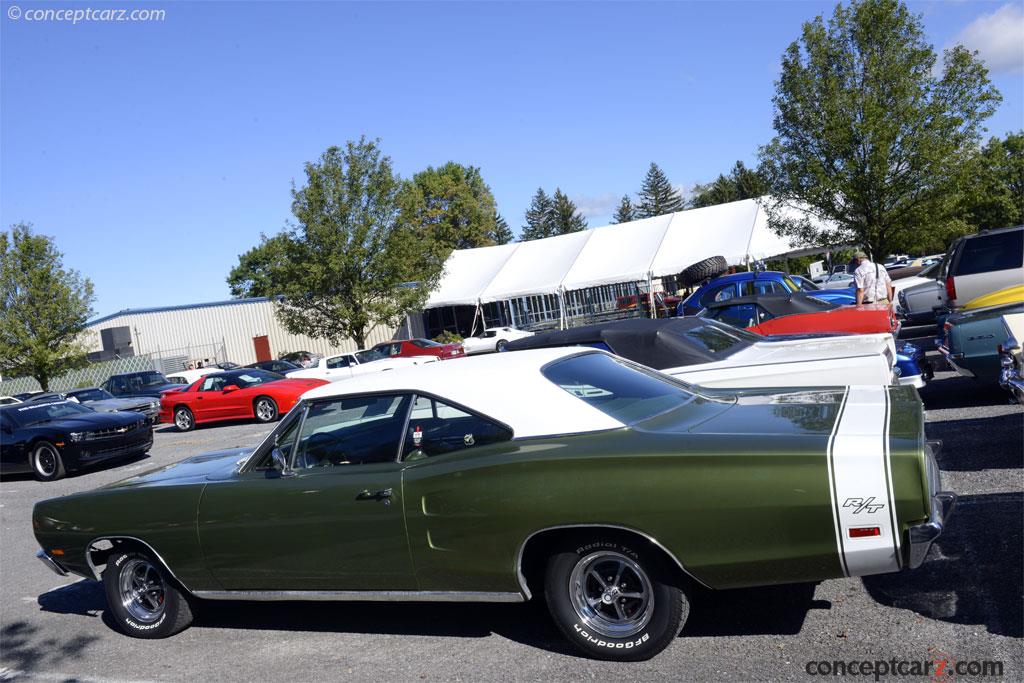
(703, 270)
(143, 602)
(613, 600)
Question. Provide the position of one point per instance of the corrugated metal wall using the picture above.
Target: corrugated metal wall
(234, 323)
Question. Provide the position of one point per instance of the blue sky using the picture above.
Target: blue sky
(154, 153)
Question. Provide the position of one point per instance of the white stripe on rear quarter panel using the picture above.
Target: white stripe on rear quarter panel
(860, 466)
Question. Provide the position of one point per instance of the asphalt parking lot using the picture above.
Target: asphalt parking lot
(964, 603)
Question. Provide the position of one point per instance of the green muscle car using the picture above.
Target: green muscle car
(970, 341)
(605, 487)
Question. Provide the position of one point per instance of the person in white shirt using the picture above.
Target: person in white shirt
(874, 286)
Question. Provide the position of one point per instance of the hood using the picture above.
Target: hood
(92, 421)
(114, 404)
(783, 348)
(213, 465)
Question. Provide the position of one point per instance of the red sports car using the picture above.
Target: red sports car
(417, 347)
(233, 395)
(801, 313)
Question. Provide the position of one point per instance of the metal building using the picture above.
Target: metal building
(239, 330)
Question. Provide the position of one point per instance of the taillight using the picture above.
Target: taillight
(950, 288)
(865, 532)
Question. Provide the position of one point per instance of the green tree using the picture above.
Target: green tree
(43, 308)
(741, 183)
(995, 197)
(657, 196)
(867, 135)
(502, 233)
(538, 217)
(626, 212)
(349, 262)
(565, 218)
(452, 206)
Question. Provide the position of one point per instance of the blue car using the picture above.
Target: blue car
(754, 282)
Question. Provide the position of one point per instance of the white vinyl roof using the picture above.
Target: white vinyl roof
(626, 252)
(505, 386)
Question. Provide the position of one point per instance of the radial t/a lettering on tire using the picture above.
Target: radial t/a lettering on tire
(614, 600)
(143, 601)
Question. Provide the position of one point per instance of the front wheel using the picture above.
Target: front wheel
(47, 465)
(614, 601)
(502, 345)
(265, 409)
(183, 419)
(142, 601)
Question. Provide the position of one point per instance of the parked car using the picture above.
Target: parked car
(304, 359)
(970, 341)
(146, 383)
(709, 353)
(52, 438)
(102, 401)
(664, 304)
(349, 365)
(492, 339)
(189, 376)
(839, 281)
(387, 487)
(243, 394)
(1011, 361)
(983, 263)
(406, 348)
(8, 400)
(789, 315)
(928, 276)
(281, 367)
(754, 282)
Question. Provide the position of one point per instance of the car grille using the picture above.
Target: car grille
(114, 432)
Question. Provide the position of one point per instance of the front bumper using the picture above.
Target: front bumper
(921, 536)
(51, 564)
(1010, 379)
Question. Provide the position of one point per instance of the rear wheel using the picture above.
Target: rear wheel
(46, 462)
(614, 601)
(143, 601)
(265, 409)
(502, 345)
(183, 419)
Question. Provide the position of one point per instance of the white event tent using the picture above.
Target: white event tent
(627, 252)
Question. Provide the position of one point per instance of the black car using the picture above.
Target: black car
(102, 401)
(146, 383)
(281, 367)
(49, 439)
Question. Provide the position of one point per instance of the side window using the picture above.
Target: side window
(768, 287)
(721, 293)
(763, 315)
(395, 349)
(742, 316)
(353, 430)
(436, 428)
(338, 362)
(118, 385)
(986, 253)
(285, 443)
(212, 384)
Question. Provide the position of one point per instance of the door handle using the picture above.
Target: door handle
(380, 494)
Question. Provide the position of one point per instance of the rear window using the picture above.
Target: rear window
(425, 343)
(718, 338)
(987, 253)
(622, 391)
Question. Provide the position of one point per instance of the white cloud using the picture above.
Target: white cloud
(999, 39)
(597, 206)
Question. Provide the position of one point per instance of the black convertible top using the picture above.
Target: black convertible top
(779, 304)
(656, 343)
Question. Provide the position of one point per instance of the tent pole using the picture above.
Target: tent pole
(561, 308)
(650, 295)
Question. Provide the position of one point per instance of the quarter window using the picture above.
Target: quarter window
(339, 362)
(436, 428)
(353, 430)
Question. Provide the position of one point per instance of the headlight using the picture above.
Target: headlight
(76, 436)
(154, 404)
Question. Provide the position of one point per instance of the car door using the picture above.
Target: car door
(209, 403)
(334, 521)
(339, 367)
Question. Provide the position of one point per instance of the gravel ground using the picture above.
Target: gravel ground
(964, 603)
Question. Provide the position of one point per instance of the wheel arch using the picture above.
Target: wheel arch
(95, 556)
(534, 550)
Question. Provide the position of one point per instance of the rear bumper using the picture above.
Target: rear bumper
(921, 536)
(1010, 379)
(51, 564)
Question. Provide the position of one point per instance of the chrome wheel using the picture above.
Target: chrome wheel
(611, 594)
(142, 590)
(265, 410)
(183, 419)
(45, 460)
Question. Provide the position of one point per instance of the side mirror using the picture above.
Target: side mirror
(280, 461)
(229, 388)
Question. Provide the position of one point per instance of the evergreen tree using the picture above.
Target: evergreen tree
(538, 217)
(626, 211)
(657, 196)
(502, 233)
(565, 218)
(741, 183)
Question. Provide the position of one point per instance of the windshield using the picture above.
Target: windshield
(149, 379)
(90, 395)
(34, 413)
(425, 343)
(371, 355)
(622, 391)
(932, 271)
(251, 378)
(807, 285)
